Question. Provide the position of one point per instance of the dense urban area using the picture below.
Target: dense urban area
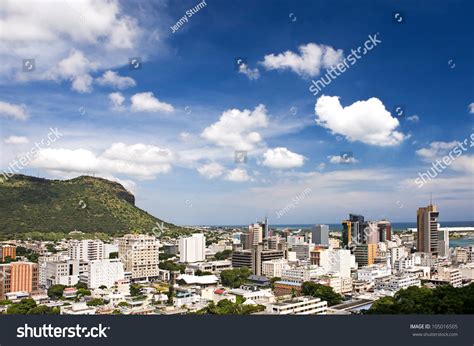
(365, 269)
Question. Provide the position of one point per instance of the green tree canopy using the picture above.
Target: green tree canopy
(320, 291)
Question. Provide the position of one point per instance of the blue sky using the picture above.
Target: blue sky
(171, 135)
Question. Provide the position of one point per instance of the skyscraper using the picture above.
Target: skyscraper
(427, 229)
(353, 230)
(385, 230)
(192, 249)
(320, 235)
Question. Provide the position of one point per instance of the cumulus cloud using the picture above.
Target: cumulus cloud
(342, 159)
(139, 160)
(113, 79)
(282, 158)
(117, 100)
(436, 149)
(211, 170)
(236, 128)
(464, 164)
(365, 121)
(251, 74)
(76, 68)
(238, 175)
(13, 111)
(48, 31)
(308, 63)
(16, 140)
(147, 102)
(414, 118)
(471, 108)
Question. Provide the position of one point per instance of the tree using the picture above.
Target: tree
(5, 302)
(81, 285)
(201, 273)
(226, 307)
(43, 310)
(222, 255)
(22, 307)
(124, 304)
(235, 277)
(135, 290)
(56, 291)
(320, 291)
(113, 255)
(102, 287)
(83, 292)
(95, 302)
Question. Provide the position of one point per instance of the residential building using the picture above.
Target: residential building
(397, 282)
(139, 254)
(320, 235)
(211, 266)
(301, 273)
(86, 250)
(62, 272)
(192, 249)
(449, 274)
(7, 250)
(299, 306)
(427, 229)
(18, 277)
(103, 272)
(370, 273)
(273, 268)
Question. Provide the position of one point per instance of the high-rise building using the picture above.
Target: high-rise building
(320, 235)
(427, 229)
(103, 272)
(255, 235)
(192, 249)
(61, 272)
(18, 277)
(443, 242)
(385, 230)
(254, 258)
(7, 250)
(139, 254)
(353, 230)
(86, 250)
(365, 254)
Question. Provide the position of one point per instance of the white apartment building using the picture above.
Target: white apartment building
(86, 250)
(403, 264)
(63, 273)
(103, 273)
(273, 268)
(397, 282)
(339, 284)
(42, 260)
(299, 306)
(370, 273)
(337, 260)
(450, 275)
(397, 253)
(301, 273)
(139, 254)
(302, 251)
(211, 266)
(295, 240)
(192, 249)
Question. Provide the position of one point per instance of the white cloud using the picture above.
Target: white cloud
(238, 175)
(464, 164)
(117, 100)
(48, 31)
(365, 121)
(112, 79)
(139, 160)
(16, 140)
(14, 111)
(414, 118)
(436, 149)
(211, 170)
(471, 108)
(147, 102)
(308, 63)
(76, 68)
(342, 159)
(282, 158)
(236, 129)
(252, 74)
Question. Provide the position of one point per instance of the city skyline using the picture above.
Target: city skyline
(211, 120)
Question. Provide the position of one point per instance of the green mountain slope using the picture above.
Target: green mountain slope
(87, 204)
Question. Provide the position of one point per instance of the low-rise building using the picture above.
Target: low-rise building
(299, 306)
(397, 282)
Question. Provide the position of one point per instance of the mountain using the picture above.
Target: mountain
(87, 204)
